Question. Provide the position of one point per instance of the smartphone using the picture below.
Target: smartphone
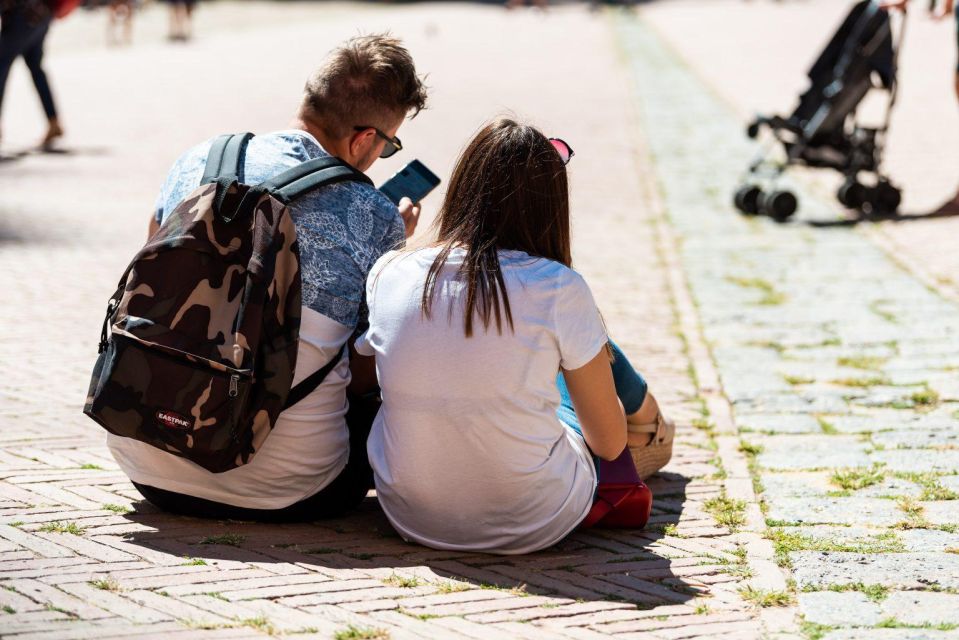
(413, 181)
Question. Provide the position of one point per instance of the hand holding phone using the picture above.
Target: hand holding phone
(410, 212)
(414, 181)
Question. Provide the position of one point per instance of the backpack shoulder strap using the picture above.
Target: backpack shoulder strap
(225, 159)
(312, 174)
(311, 382)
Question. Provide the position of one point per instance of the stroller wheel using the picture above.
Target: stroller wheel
(747, 199)
(852, 194)
(778, 205)
(886, 198)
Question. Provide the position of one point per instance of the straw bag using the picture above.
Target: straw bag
(651, 445)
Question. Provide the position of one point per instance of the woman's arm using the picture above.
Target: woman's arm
(597, 406)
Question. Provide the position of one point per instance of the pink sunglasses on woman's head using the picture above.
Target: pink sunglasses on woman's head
(565, 151)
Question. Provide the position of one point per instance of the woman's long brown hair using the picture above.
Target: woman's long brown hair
(507, 191)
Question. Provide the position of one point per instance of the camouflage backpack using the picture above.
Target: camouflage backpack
(199, 342)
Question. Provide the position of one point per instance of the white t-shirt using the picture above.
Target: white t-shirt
(308, 447)
(467, 451)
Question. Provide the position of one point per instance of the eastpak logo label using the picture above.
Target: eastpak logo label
(172, 420)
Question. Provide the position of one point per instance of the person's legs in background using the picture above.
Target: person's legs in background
(18, 37)
(13, 39)
(33, 56)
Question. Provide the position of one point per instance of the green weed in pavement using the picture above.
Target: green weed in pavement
(932, 489)
(766, 598)
(361, 633)
(228, 539)
(785, 542)
(726, 511)
(866, 363)
(855, 478)
(770, 296)
(116, 508)
(402, 581)
(863, 383)
(59, 527)
(106, 584)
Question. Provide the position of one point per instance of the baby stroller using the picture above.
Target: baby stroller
(823, 131)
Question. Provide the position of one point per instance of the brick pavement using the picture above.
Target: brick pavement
(840, 364)
(81, 556)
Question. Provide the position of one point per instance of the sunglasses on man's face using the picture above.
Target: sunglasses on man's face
(392, 144)
(565, 151)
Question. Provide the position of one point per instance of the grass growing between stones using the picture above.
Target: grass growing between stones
(827, 427)
(260, 623)
(866, 363)
(767, 598)
(726, 511)
(361, 633)
(59, 527)
(892, 623)
(106, 584)
(228, 539)
(770, 296)
(863, 383)
(404, 582)
(452, 587)
(855, 478)
(916, 517)
(932, 489)
(194, 562)
(875, 592)
(116, 508)
(786, 542)
(926, 398)
(814, 631)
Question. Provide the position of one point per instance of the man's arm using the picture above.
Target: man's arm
(362, 372)
(154, 225)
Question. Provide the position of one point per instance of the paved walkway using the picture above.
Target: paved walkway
(81, 556)
(840, 364)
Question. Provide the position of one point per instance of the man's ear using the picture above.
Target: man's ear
(360, 142)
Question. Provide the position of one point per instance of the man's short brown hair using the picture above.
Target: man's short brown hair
(368, 81)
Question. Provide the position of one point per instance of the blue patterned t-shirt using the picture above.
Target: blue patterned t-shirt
(342, 229)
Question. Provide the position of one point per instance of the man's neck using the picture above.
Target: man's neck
(312, 128)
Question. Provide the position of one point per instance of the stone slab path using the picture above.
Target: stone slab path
(840, 365)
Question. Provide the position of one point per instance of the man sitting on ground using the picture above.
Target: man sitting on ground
(313, 464)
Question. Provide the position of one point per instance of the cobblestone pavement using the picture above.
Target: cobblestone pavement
(82, 557)
(840, 365)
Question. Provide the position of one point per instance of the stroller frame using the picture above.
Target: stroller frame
(824, 131)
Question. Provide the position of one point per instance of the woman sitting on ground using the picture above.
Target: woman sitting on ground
(478, 445)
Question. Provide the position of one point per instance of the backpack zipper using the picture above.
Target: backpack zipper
(234, 382)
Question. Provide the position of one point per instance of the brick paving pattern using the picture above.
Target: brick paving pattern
(81, 556)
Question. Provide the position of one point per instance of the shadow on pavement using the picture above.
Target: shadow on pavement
(596, 565)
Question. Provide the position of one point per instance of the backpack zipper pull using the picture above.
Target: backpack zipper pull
(234, 381)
